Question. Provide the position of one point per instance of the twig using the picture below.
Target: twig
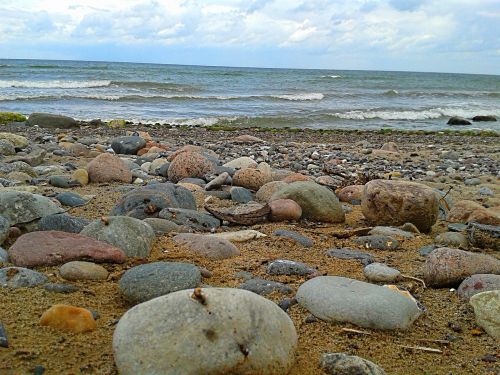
(414, 278)
(350, 330)
(422, 348)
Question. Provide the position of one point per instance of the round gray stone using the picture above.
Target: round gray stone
(127, 145)
(71, 199)
(18, 277)
(289, 267)
(379, 272)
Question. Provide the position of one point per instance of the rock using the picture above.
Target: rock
(48, 120)
(477, 284)
(390, 146)
(133, 236)
(296, 177)
(64, 182)
(149, 200)
(472, 181)
(162, 226)
(252, 178)
(343, 364)
(285, 210)
(240, 235)
(17, 277)
(81, 176)
(148, 281)
(427, 249)
(62, 222)
(230, 331)
(21, 207)
(217, 182)
(446, 267)
(452, 239)
(53, 247)
(246, 138)
(127, 145)
(7, 148)
(484, 236)
(388, 202)
(78, 270)
(18, 141)
(263, 287)
(4, 256)
(71, 199)
(190, 164)
(455, 120)
(294, 236)
(108, 168)
(460, 211)
(4, 343)
(318, 203)
(60, 288)
(17, 166)
(391, 232)
(68, 318)
(486, 191)
(240, 194)
(457, 227)
(486, 307)
(198, 221)
(209, 246)
(346, 253)
(350, 193)
(379, 272)
(209, 154)
(487, 216)
(241, 163)
(339, 299)
(245, 214)
(377, 242)
(266, 191)
(4, 229)
(289, 267)
(484, 118)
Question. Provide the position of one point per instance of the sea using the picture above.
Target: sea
(248, 97)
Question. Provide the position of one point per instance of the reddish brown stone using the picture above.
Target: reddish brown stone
(189, 164)
(296, 177)
(48, 248)
(351, 192)
(251, 178)
(461, 211)
(191, 148)
(108, 168)
(285, 210)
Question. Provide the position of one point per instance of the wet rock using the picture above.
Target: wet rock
(379, 272)
(477, 284)
(377, 242)
(289, 267)
(285, 210)
(455, 120)
(388, 202)
(148, 281)
(78, 270)
(484, 236)
(133, 236)
(68, 318)
(484, 118)
(53, 247)
(452, 239)
(263, 287)
(339, 299)
(446, 267)
(190, 164)
(209, 246)
(108, 168)
(18, 277)
(486, 307)
(345, 253)
(240, 194)
(245, 333)
(294, 236)
(21, 207)
(52, 121)
(198, 221)
(62, 222)
(343, 364)
(127, 145)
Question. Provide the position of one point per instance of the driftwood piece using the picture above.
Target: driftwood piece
(246, 214)
(421, 348)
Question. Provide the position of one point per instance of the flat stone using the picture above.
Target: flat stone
(477, 284)
(148, 281)
(21, 207)
(64, 182)
(60, 288)
(62, 222)
(346, 253)
(209, 246)
(245, 214)
(240, 194)
(289, 267)
(240, 235)
(343, 364)
(162, 226)
(457, 227)
(263, 287)
(71, 199)
(18, 277)
(68, 318)
(198, 221)
(377, 242)
(486, 307)
(52, 121)
(294, 236)
(339, 299)
(379, 272)
(484, 236)
(78, 270)
(391, 232)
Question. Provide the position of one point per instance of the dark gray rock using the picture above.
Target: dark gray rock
(18, 277)
(71, 199)
(455, 120)
(286, 303)
(377, 242)
(4, 342)
(484, 118)
(48, 120)
(60, 288)
(193, 180)
(346, 253)
(64, 182)
(162, 226)
(7, 148)
(289, 267)
(263, 287)
(241, 195)
(472, 181)
(457, 227)
(343, 364)
(128, 145)
(63, 222)
(218, 194)
(427, 249)
(297, 237)
(484, 236)
(199, 221)
(148, 281)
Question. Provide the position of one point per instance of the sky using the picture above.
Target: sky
(410, 35)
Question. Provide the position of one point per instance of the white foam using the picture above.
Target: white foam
(53, 84)
(303, 96)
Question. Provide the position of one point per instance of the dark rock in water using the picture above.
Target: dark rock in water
(289, 267)
(63, 222)
(300, 239)
(346, 253)
(4, 343)
(455, 120)
(47, 120)
(149, 200)
(128, 145)
(427, 249)
(263, 287)
(457, 227)
(60, 288)
(18, 277)
(343, 364)
(484, 236)
(241, 195)
(192, 218)
(484, 118)
(377, 242)
(70, 199)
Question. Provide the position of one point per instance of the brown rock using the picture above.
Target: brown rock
(296, 177)
(108, 168)
(285, 210)
(53, 247)
(397, 202)
(251, 178)
(477, 284)
(81, 176)
(189, 164)
(247, 139)
(245, 214)
(209, 246)
(192, 148)
(385, 154)
(78, 149)
(487, 216)
(390, 146)
(446, 267)
(267, 190)
(461, 211)
(68, 318)
(351, 192)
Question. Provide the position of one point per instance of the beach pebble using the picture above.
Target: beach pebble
(346, 253)
(217, 182)
(4, 256)
(18, 277)
(55, 247)
(240, 194)
(427, 249)
(386, 202)
(263, 287)
(62, 222)
(318, 203)
(198, 221)
(344, 364)
(289, 267)
(133, 236)
(79, 270)
(189, 164)
(294, 236)
(240, 235)
(486, 307)
(230, 331)
(478, 283)
(17, 140)
(7, 148)
(68, 318)
(379, 272)
(377, 242)
(472, 181)
(445, 267)
(206, 245)
(108, 168)
(285, 210)
(241, 163)
(60, 288)
(148, 281)
(339, 299)
(267, 190)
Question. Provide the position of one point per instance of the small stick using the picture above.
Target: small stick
(422, 348)
(350, 330)
(414, 278)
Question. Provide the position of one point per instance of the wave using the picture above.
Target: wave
(391, 93)
(331, 76)
(52, 84)
(153, 85)
(44, 66)
(303, 96)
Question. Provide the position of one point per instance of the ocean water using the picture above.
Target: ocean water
(201, 95)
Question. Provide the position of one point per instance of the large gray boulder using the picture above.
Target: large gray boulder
(48, 120)
(318, 203)
(339, 299)
(133, 236)
(211, 331)
(21, 207)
